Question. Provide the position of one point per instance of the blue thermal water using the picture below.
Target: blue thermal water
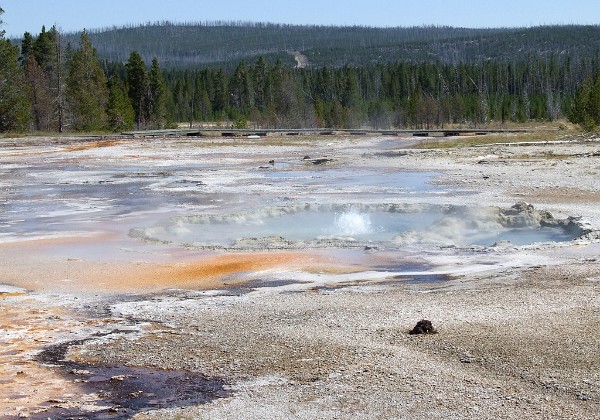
(399, 228)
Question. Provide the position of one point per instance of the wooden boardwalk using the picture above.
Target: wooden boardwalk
(253, 133)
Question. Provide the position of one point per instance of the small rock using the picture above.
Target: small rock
(424, 326)
(136, 394)
(321, 161)
(56, 401)
(79, 372)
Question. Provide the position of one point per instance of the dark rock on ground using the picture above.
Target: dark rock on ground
(424, 326)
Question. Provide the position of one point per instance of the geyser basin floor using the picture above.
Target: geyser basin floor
(314, 352)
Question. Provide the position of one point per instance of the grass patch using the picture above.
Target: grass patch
(536, 132)
(489, 139)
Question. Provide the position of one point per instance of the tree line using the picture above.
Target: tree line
(68, 89)
(402, 94)
(48, 86)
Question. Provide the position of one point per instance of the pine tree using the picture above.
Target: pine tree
(14, 107)
(27, 45)
(121, 115)
(580, 111)
(42, 107)
(44, 49)
(593, 105)
(262, 84)
(137, 83)
(221, 94)
(241, 89)
(87, 92)
(204, 106)
(2, 32)
(157, 96)
(41, 59)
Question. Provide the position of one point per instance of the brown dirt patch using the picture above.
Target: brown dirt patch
(567, 195)
(93, 145)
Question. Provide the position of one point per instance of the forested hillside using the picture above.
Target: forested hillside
(182, 45)
(177, 45)
(155, 76)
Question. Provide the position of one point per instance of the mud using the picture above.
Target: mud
(124, 391)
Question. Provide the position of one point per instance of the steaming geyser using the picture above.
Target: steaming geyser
(353, 223)
(389, 225)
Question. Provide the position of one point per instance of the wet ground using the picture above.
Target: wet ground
(123, 391)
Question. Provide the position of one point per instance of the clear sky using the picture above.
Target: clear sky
(73, 15)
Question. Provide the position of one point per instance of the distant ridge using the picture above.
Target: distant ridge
(216, 43)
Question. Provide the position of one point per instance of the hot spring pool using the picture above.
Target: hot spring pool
(389, 225)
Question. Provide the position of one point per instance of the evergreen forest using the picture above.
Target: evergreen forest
(281, 76)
